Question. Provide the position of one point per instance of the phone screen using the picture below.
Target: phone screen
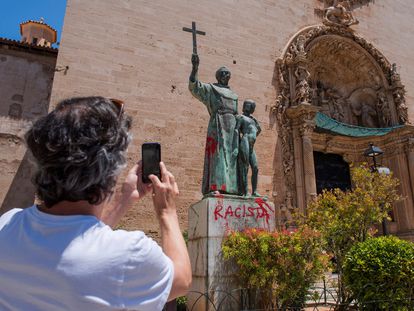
(151, 157)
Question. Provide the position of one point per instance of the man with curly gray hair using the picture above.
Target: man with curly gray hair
(63, 253)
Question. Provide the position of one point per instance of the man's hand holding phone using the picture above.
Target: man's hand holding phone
(133, 187)
(164, 191)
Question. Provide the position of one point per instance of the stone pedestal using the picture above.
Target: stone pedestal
(214, 282)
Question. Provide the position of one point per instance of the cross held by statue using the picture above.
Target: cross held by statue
(195, 32)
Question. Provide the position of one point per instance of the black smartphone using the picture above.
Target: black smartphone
(151, 158)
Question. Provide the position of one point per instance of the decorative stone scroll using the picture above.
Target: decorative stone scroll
(339, 15)
(350, 5)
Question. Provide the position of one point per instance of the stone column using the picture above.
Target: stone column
(308, 161)
(410, 160)
(302, 118)
(401, 207)
(298, 156)
(407, 181)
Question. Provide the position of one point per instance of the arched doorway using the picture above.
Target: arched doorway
(331, 171)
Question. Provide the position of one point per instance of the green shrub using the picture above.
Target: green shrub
(345, 218)
(280, 265)
(380, 273)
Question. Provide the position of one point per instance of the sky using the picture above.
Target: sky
(14, 12)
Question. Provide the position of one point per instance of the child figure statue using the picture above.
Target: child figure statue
(249, 129)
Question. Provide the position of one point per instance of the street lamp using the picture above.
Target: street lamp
(374, 152)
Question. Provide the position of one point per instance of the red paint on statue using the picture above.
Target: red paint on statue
(211, 146)
(213, 187)
(223, 187)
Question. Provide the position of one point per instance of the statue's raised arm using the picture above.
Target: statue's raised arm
(195, 60)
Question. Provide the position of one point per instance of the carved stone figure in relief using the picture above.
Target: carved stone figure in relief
(302, 89)
(335, 105)
(384, 112)
(402, 110)
(323, 100)
(331, 102)
(364, 113)
(299, 48)
(282, 82)
(400, 104)
(301, 44)
(394, 75)
(338, 15)
(369, 116)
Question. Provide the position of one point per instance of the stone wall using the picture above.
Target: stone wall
(26, 79)
(137, 51)
(12, 153)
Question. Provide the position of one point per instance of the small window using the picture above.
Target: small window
(34, 40)
(15, 110)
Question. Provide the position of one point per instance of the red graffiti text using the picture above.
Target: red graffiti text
(262, 210)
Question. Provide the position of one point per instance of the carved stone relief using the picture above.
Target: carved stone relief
(286, 138)
(348, 5)
(399, 94)
(302, 89)
(365, 107)
(339, 15)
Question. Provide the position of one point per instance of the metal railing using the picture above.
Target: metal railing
(321, 297)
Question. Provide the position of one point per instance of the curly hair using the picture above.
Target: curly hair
(79, 149)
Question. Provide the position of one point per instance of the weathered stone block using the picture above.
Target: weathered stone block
(210, 219)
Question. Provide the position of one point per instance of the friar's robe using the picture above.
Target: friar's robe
(220, 160)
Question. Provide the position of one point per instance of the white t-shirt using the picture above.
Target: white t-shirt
(50, 262)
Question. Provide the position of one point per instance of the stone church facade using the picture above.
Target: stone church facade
(328, 77)
(337, 94)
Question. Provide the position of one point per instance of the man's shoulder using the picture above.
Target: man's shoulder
(128, 241)
(6, 217)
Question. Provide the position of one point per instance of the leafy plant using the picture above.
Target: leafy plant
(182, 303)
(344, 218)
(280, 265)
(380, 273)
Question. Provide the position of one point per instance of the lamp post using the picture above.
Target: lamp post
(374, 152)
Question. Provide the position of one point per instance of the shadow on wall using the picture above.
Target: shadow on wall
(21, 193)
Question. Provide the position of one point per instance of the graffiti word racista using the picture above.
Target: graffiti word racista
(261, 210)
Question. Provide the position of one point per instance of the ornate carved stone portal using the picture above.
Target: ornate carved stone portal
(332, 70)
